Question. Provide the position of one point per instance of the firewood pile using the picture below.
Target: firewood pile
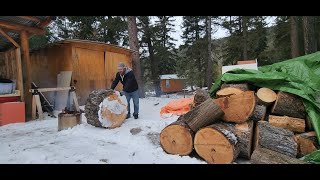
(243, 121)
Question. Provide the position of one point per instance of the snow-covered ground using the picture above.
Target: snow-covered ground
(135, 142)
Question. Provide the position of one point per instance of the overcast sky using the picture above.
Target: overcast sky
(220, 32)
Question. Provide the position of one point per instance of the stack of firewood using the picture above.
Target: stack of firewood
(258, 124)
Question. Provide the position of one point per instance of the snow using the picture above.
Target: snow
(170, 76)
(136, 141)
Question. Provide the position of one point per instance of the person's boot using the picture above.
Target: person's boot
(128, 116)
(135, 116)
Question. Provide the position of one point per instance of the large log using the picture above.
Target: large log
(217, 144)
(92, 108)
(267, 156)
(177, 138)
(307, 143)
(237, 108)
(199, 97)
(266, 96)
(203, 115)
(225, 92)
(295, 125)
(259, 113)
(288, 104)
(242, 86)
(274, 138)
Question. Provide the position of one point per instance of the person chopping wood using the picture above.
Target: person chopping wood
(130, 87)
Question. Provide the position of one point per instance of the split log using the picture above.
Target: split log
(237, 108)
(217, 144)
(309, 126)
(225, 92)
(177, 138)
(259, 113)
(267, 156)
(104, 109)
(307, 143)
(295, 125)
(274, 138)
(266, 96)
(242, 86)
(199, 97)
(288, 104)
(203, 115)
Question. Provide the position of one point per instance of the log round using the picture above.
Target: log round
(217, 144)
(101, 109)
(228, 92)
(177, 138)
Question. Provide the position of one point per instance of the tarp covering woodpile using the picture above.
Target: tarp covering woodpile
(299, 76)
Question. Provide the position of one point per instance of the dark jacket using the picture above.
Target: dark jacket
(129, 81)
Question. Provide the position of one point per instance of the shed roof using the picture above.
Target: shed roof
(170, 76)
(12, 25)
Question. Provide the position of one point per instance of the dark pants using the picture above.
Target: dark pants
(135, 97)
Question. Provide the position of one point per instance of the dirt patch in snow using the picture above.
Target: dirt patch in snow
(135, 131)
(154, 138)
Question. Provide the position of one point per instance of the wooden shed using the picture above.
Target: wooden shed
(93, 65)
(171, 83)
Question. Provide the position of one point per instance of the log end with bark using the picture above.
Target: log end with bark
(266, 96)
(307, 143)
(217, 144)
(177, 138)
(237, 108)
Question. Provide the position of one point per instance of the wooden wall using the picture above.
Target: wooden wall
(8, 67)
(176, 85)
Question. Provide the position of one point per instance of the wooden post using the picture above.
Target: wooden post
(34, 108)
(19, 78)
(7, 64)
(39, 107)
(26, 59)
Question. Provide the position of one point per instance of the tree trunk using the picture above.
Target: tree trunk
(92, 108)
(288, 104)
(133, 41)
(210, 62)
(266, 156)
(237, 108)
(203, 115)
(274, 138)
(177, 138)
(309, 34)
(266, 96)
(242, 86)
(295, 125)
(244, 26)
(259, 113)
(200, 96)
(307, 143)
(226, 92)
(294, 37)
(217, 144)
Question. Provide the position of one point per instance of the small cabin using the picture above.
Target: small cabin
(90, 65)
(171, 83)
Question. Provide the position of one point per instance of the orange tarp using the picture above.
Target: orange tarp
(177, 107)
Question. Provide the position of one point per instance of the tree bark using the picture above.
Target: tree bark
(237, 108)
(200, 96)
(92, 108)
(266, 156)
(295, 125)
(294, 37)
(203, 115)
(259, 113)
(244, 26)
(210, 62)
(307, 143)
(244, 133)
(242, 86)
(274, 138)
(309, 34)
(217, 144)
(177, 138)
(133, 42)
(288, 104)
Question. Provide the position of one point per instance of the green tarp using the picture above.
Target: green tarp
(300, 76)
